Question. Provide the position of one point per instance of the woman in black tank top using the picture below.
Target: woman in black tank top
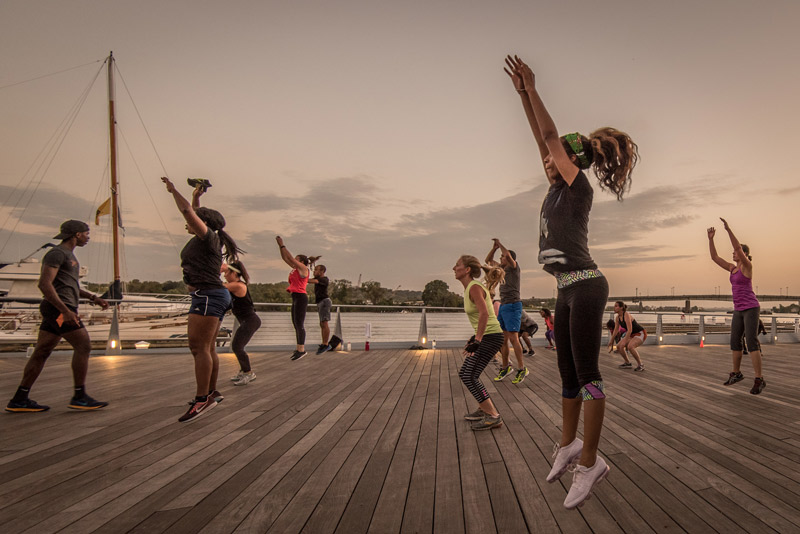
(635, 335)
(236, 280)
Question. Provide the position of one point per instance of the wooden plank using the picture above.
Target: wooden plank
(477, 505)
(448, 513)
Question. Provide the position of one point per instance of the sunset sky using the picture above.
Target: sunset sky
(386, 136)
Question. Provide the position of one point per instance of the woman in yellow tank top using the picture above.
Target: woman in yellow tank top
(488, 338)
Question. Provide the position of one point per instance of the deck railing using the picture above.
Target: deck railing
(397, 326)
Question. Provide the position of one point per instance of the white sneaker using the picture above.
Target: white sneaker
(237, 376)
(563, 458)
(583, 482)
(246, 379)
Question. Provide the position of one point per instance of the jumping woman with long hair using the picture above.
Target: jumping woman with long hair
(635, 335)
(745, 308)
(488, 338)
(201, 261)
(236, 282)
(582, 288)
(298, 281)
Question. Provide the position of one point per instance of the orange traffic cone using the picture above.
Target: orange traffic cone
(701, 341)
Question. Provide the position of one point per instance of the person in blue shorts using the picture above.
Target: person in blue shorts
(201, 262)
(510, 311)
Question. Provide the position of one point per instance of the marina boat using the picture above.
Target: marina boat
(140, 317)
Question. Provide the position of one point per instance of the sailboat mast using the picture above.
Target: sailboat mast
(112, 129)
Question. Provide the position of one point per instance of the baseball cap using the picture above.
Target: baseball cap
(70, 228)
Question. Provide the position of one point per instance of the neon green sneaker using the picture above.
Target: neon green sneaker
(503, 372)
(521, 374)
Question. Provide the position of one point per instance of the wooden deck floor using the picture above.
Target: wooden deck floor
(375, 442)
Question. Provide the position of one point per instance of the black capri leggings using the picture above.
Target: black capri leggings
(745, 323)
(474, 365)
(299, 305)
(578, 332)
(247, 327)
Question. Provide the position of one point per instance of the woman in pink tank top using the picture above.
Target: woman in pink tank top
(745, 308)
(298, 279)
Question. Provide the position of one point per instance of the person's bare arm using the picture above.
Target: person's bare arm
(747, 265)
(514, 64)
(290, 260)
(547, 127)
(195, 224)
(505, 253)
(713, 251)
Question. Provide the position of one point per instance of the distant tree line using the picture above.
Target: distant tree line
(436, 293)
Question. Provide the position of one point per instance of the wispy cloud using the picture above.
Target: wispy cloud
(345, 220)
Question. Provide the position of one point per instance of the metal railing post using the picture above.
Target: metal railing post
(422, 338)
(702, 329)
(774, 330)
(659, 329)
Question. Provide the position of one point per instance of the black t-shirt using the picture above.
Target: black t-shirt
(201, 261)
(564, 227)
(321, 288)
(66, 281)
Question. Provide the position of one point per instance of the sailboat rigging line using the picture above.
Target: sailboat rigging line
(152, 144)
(141, 121)
(146, 188)
(47, 160)
(48, 144)
(51, 74)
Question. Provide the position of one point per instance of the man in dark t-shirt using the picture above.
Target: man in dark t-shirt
(59, 285)
(324, 305)
(510, 312)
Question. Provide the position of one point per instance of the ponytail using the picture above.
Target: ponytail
(493, 275)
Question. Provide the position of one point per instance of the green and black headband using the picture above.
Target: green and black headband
(576, 144)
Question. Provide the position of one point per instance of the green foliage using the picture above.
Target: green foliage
(374, 293)
(437, 293)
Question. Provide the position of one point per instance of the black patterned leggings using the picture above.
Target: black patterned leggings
(474, 365)
(578, 331)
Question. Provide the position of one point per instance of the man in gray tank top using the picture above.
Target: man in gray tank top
(510, 312)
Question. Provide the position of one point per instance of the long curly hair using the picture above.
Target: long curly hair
(611, 154)
(216, 222)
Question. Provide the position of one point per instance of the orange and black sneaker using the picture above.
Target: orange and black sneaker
(26, 405)
(197, 408)
(86, 403)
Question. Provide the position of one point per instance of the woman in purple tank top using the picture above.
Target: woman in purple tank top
(745, 307)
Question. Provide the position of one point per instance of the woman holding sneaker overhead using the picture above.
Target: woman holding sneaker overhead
(488, 338)
(745, 308)
(201, 261)
(582, 288)
(236, 280)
